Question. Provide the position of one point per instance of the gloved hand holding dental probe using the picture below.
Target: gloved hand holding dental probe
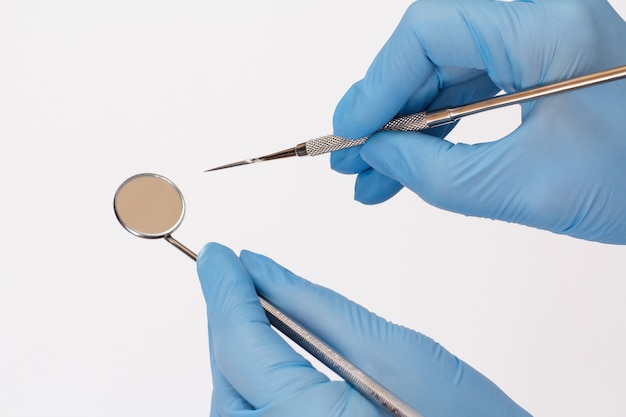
(257, 374)
(563, 169)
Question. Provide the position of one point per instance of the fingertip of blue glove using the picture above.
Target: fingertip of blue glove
(252, 260)
(212, 253)
(261, 268)
(344, 123)
(219, 269)
(347, 161)
(270, 278)
(372, 187)
(383, 152)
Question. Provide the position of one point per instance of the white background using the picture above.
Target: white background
(95, 322)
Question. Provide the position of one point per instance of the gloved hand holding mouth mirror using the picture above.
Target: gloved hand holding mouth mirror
(152, 207)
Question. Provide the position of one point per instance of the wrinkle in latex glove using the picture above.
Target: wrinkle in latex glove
(562, 170)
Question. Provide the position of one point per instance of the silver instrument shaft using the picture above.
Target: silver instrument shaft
(428, 119)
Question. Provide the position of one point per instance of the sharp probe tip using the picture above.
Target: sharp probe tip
(234, 164)
(276, 155)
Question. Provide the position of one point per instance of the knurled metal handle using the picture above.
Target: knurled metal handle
(331, 143)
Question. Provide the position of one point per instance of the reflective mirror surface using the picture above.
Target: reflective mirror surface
(149, 206)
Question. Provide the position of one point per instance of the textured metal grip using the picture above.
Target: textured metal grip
(337, 363)
(330, 143)
(410, 123)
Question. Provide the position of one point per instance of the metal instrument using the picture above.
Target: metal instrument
(425, 120)
(151, 206)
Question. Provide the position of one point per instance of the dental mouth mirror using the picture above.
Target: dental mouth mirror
(433, 118)
(152, 207)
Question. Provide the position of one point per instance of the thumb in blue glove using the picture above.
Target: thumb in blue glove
(256, 373)
(562, 170)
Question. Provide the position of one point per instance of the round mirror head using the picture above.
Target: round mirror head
(149, 206)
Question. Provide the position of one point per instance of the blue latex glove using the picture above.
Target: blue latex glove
(256, 373)
(563, 169)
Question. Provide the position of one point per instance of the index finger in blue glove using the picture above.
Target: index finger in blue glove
(404, 69)
(440, 44)
(413, 366)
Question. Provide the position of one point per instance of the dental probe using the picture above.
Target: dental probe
(427, 119)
